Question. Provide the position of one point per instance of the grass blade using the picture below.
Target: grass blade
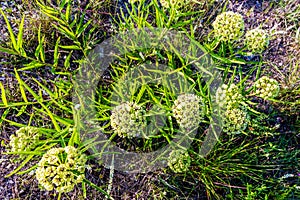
(3, 94)
(9, 51)
(11, 33)
(20, 35)
(20, 166)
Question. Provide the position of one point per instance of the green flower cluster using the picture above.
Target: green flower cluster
(256, 40)
(266, 87)
(168, 3)
(61, 169)
(228, 26)
(179, 161)
(235, 121)
(128, 119)
(186, 110)
(173, 3)
(228, 97)
(25, 139)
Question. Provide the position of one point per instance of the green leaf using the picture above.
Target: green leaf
(28, 170)
(32, 65)
(21, 111)
(9, 51)
(39, 52)
(3, 94)
(20, 166)
(11, 33)
(70, 47)
(21, 87)
(38, 99)
(20, 35)
(56, 54)
(47, 9)
(67, 61)
(81, 29)
(68, 11)
(64, 30)
(4, 116)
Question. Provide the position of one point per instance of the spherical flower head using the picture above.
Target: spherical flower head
(57, 166)
(228, 26)
(179, 161)
(235, 121)
(256, 40)
(228, 97)
(266, 87)
(128, 119)
(25, 139)
(173, 3)
(187, 110)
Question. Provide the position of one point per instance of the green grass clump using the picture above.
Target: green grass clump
(246, 162)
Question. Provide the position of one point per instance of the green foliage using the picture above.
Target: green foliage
(240, 166)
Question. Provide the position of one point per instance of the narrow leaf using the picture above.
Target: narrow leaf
(20, 35)
(20, 166)
(21, 86)
(56, 54)
(3, 94)
(9, 51)
(11, 33)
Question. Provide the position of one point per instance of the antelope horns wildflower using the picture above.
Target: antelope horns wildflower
(235, 121)
(228, 97)
(187, 110)
(173, 3)
(128, 119)
(228, 26)
(25, 139)
(266, 87)
(256, 40)
(179, 161)
(61, 169)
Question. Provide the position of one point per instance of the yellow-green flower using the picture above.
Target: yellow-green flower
(256, 40)
(25, 139)
(228, 97)
(173, 3)
(128, 119)
(234, 121)
(179, 161)
(228, 26)
(61, 169)
(266, 87)
(187, 110)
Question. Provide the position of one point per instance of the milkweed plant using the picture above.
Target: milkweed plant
(61, 169)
